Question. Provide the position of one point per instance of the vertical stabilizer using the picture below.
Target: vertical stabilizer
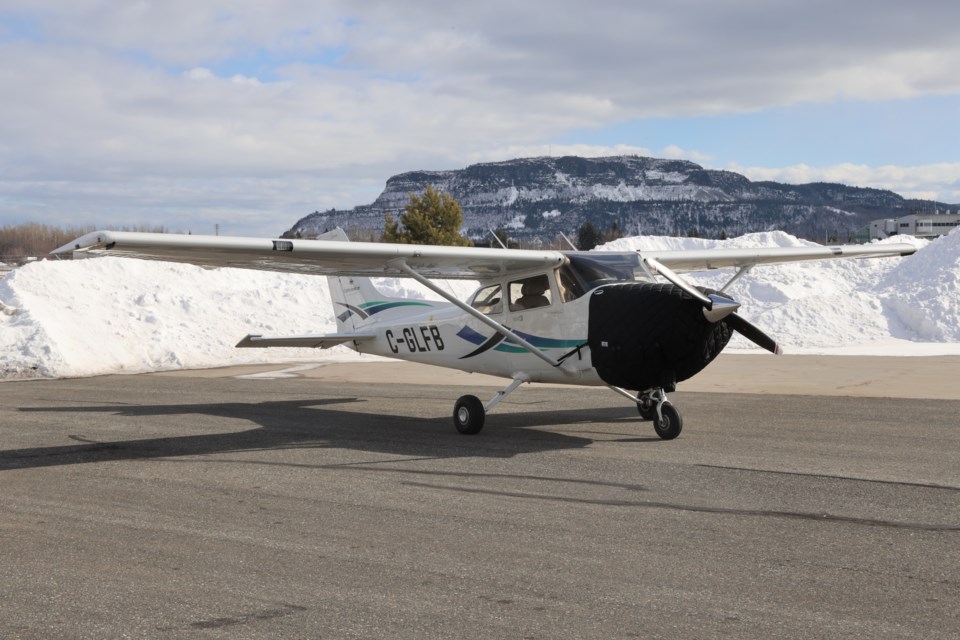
(349, 293)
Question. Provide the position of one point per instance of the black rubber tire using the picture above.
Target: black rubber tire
(670, 426)
(468, 415)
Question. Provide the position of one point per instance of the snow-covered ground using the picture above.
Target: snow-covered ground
(110, 315)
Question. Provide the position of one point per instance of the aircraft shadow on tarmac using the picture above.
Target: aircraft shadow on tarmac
(314, 423)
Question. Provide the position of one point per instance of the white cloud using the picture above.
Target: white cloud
(242, 79)
(224, 96)
(674, 152)
(939, 181)
(586, 151)
(199, 73)
(638, 59)
(556, 151)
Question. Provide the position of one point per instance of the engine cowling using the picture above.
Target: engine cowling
(647, 335)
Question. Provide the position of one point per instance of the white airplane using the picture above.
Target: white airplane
(579, 318)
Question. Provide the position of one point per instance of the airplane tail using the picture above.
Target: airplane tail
(350, 294)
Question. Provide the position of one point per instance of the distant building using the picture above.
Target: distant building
(921, 225)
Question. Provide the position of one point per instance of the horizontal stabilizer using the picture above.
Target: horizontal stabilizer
(311, 342)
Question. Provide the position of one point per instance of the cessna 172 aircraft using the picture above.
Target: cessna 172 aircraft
(580, 318)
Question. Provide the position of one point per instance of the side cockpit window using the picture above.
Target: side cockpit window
(488, 300)
(530, 293)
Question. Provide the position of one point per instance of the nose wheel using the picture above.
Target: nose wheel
(669, 423)
(653, 405)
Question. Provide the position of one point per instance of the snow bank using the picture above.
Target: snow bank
(885, 306)
(90, 317)
(923, 293)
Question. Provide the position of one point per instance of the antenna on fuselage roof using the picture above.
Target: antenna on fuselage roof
(569, 241)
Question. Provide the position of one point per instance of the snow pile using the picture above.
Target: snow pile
(884, 306)
(117, 315)
(924, 291)
(90, 317)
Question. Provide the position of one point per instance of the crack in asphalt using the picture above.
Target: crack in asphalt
(651, 504)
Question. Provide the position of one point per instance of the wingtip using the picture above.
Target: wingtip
(247, 341)
(91, 240)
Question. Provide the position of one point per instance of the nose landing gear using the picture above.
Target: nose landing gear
(653, 405)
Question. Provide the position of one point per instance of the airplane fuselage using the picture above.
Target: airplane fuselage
(443, 335)
(635, 335)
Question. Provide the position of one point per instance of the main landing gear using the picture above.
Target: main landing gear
(469, 413)
(652, 404)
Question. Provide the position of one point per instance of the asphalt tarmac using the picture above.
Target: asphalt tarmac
(158, 506)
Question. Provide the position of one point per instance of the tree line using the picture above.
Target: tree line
(433, 217)
(35, 240)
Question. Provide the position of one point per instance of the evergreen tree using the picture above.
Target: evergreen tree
(432, 218)
(587, 237)
(613, 233)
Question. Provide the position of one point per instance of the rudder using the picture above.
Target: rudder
(349, 293)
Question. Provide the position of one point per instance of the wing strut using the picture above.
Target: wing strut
(742, 271)
(493, 324)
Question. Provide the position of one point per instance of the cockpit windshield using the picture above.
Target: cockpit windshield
(597, 268)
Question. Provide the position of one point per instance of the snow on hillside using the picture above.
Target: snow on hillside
(90, 317)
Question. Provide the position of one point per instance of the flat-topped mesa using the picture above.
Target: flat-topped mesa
(542, 197)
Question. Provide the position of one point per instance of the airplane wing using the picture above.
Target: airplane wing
(311, 342)
(327, 257)
(706, 259)
(321, 257)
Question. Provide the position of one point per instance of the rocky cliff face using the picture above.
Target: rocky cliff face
(539, 197)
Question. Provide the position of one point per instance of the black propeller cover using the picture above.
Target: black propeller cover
(752, 333)
(646, 335)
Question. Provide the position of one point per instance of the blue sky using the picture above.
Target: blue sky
(248, 115)
(906, 131)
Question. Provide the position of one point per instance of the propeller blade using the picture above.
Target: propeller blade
(752, 333)
(716, 306)
(657, 268)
